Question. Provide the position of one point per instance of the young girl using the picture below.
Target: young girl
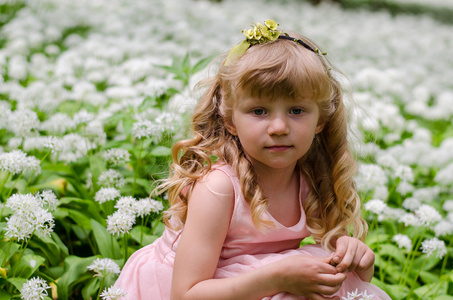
(268, 166)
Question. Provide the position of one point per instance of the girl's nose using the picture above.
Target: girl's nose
(278, 126)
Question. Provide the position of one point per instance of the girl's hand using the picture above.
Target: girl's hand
(309, 276)
(353, 255)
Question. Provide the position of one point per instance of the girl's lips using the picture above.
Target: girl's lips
(278, 148)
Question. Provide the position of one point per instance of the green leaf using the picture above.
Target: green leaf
(393, 252)
(161, 151)
(237, 51)
(90, 288)
(429, 277)
(97, 167)
(107, 244)
(17, 282)
(28, 265)
(48, 248)
(75, 272)
(4, 295)
(6, 254)
(201, 64)
(143, 234)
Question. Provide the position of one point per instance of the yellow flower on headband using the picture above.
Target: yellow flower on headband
(258, 34)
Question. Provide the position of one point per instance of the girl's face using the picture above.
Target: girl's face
(276, 133)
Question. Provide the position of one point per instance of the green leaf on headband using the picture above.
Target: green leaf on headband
(237, 51)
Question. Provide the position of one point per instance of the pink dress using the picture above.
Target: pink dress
(148, 272)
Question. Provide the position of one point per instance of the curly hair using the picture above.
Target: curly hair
(276, 69)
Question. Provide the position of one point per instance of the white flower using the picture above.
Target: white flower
(29, 217)
(147, 129)
(375, 206)
(113, 293)
(58, 123)
(22, 122)
(34, 289)
(434, 245)
(404, 188)
(411, 204)
(409, 220)
(448, 205)
(116, 155)
(106, 194)
(104, 266)
(369, 176)
(352, 295)
(17, 162)
(403, 241)
(365, 296)
(443, 228)
(55, 144)
(143, 207)
(126, 204)
(120, 222)
(156, 206)
(82, 116)
(49, 199)
(428, 215)
(111, 178)
(405, 173)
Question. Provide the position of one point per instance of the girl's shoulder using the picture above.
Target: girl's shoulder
(218, 180)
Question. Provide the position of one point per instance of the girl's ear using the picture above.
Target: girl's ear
(320, 127)
(230, 126)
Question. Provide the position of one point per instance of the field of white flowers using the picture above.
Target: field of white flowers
(93, 93)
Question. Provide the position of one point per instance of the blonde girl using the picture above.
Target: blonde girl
(268, 165)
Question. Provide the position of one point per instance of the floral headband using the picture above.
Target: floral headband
(260, 34)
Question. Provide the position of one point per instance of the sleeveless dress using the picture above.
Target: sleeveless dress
(148, 272)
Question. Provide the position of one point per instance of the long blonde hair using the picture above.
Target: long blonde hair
(271, 70)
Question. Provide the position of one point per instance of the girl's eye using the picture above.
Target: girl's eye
(258, 111)
(296, 111)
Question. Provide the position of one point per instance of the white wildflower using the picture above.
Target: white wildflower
(375, 206)
(411, 203)
(120, 222)
(443, 228)
(365, 296)
(106, 194)
(156, 206)
(403, 241)
(126, 204)
(113, 293)
(104, 266)
(143, 207)
(111, 178)
(94, 131)
(58, 124)
(147, 129)
(82, 116)
(391, 213)
(17, 162)
(409, 220)
(116, 155)
(434, 245)
(427, 215)
(405, 188)
(55, 144)
(352, 295)
(448, 206)
(34, 289)
(405, 173)
(445, 175)
(369, 176)
(23, 122)
(49, 199)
